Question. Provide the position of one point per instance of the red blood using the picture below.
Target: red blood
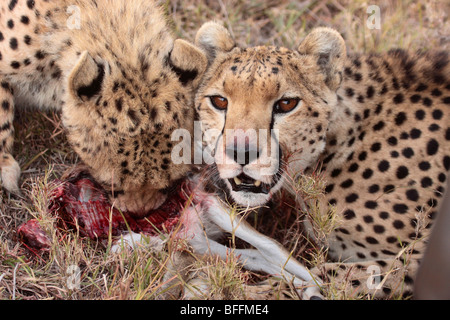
(33, 236)
(83, 204)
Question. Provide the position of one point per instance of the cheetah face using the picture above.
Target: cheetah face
(265, 111)
(119, 119)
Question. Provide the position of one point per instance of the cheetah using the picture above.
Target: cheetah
(378, 126)
(120, 80)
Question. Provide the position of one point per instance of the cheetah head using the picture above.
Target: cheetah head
(265, 111)
(120, 114)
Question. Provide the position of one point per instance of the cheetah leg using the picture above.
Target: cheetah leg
(269, 255)
(379, 279)
(10, 169)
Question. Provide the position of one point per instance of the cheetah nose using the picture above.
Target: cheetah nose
(241, 146)
(243, 156)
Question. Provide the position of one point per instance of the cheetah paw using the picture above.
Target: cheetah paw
(10, 174)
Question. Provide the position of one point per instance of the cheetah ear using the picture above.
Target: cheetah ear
(329, 48)
(188, 62)
(86, 78)
(214, 38)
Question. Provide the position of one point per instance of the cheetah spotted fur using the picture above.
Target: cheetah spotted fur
(120, 80)
(377, 124)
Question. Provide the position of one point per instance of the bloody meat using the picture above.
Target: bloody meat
(82, 204)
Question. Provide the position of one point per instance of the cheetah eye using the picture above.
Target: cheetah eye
(219, 102)
(285, 105)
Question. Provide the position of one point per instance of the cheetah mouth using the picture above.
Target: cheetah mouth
(244, 183)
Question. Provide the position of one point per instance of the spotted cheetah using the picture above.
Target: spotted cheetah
(121, 81)
(378, 125)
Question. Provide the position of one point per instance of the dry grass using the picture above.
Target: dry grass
(43, 153)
